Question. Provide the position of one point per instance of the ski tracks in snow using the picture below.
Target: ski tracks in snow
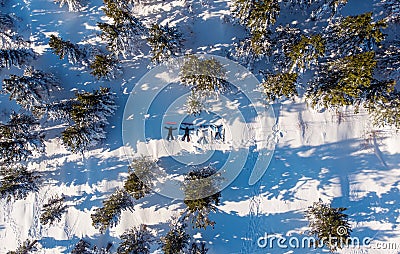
(250, 241)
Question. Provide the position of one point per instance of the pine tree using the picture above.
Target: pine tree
(80, 138)
(195, 104)
(105, 66)
(142, 173)
(280, 85)
(135, 241)
(330, 225)
(206, 76)
(89, 112)
(241, 9)
(257, 16)
(263, 15)
(388, 60)
(176, 240)
(16, 182)
(201, 195)
(19, 138)
(108, 215)
(284, 40)
(67, 49)
(53, 210)
(382, 100)
(123, 35)
(126, 5)
(355, 34)
(249, 50)
(27, 246)
(59, 110)
(306, 51)
(15, 57)
(165, 42)
(73, 5)
(32, 89)
(321, 8)
(92, 107)
(343, 81)
(9, 38)
(82, 247)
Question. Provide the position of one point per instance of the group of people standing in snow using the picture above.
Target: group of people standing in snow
(204, 132)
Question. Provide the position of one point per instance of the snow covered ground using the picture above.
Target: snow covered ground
(341, 158)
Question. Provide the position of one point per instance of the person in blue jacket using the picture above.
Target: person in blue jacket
(219, 130)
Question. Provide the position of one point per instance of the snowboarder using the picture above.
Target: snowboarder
(170, 129)
(203, 135)
(187, 132)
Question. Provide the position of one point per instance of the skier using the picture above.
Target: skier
(203, 135)
(170, 129)
(187, 132)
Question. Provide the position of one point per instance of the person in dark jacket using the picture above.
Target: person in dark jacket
(170, 129)
(187, 132)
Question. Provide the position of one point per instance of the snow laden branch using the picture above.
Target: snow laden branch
(201, 196)
(143, 172)
(20, 138)
(125, 33)
(165, 42)
(53, 210)
(177, 239)
(330, 225)
(89, 112)
(73, 52)
(17, 182)
(73, 5)
(109, 215)
(136, 240)
(33, 89)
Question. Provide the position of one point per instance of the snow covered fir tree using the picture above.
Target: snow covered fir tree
(16, 182)
(140, 126)
(105, 66)
(73, 5)
(165, 42)
(89, 112)
(33, 89)
(20, 139)
(201, 196)
(142, 174)
(136, 240)
(330, 225)
(108, 215)
(124, 34)
(177, 239)
(53, 210)
(67, 49)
